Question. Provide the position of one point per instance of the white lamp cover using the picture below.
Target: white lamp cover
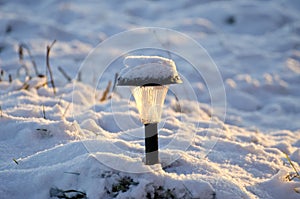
(149, 101)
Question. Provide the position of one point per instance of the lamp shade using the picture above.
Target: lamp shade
(149, 101)
(150, 76)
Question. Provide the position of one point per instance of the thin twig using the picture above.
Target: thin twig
(15, 161)
(79, 76)
(67, 108)
(65, 74)
(1, 114)
(73, 173)
(189, 192)
(48, 65)
(115, 82)
(21, 60)
(106, 91)
(31, 58)
(44, 112)
(1, 74)
(20, 53)
(291, 163)
(9, 78)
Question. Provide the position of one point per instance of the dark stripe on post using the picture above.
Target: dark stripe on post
(151, 144)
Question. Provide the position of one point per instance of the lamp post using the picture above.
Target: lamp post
(150, 77)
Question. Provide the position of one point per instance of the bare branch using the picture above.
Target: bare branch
(65, 74)
(48, 65)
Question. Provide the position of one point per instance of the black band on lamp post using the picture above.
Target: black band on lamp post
(151, 144)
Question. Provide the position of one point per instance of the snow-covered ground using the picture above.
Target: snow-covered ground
(72, 140)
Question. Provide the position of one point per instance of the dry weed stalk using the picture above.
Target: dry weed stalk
(48, 66)
(21, 55)
(64, 74)
(67, 108)
(44, 112)
(106, 91)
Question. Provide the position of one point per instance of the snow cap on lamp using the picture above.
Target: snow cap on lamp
(143, 70)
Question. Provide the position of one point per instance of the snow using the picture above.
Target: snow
(143, 70)
(72, 141)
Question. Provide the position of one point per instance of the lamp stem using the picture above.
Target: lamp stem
(151, 144)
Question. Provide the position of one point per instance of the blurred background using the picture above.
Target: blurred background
(255, 44)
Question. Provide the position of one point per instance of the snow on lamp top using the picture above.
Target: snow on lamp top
(143, 70)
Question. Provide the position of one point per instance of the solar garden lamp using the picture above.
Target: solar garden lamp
(149, 77)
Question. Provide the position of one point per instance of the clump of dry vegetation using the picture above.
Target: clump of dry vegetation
(293, 175)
